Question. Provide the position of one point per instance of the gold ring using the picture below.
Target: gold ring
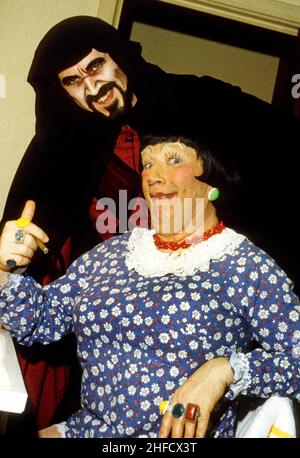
(164, 406)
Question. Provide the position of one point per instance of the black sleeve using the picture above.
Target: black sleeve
(60, 174)
(39, 178)
(42, 177)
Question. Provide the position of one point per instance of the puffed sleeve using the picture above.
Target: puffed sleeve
(35, 313)
(271, 311)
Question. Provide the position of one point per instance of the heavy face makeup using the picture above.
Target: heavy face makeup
(97, 84)
(172, 191)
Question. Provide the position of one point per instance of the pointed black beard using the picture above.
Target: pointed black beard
(114, 110)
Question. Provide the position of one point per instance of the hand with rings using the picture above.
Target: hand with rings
(20, 239)
(187, 414)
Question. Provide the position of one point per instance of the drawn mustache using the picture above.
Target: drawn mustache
(90, 99)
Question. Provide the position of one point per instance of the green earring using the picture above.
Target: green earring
(213, 194)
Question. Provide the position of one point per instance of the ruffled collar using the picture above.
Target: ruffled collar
(148, 261)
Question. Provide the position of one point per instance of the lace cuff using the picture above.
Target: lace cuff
(11, 280)
(242, 379)
(4, 280)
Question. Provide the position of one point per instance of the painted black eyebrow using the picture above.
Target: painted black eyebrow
(93, 62)
(67, 79)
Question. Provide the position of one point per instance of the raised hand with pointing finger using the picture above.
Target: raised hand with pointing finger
(20, 239)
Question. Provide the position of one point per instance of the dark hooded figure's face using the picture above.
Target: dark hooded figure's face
(97, 84)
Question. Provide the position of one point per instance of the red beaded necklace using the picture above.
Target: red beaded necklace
(162, 244)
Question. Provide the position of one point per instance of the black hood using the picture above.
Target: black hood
(65, 44)
(167, 104)
(72, 39)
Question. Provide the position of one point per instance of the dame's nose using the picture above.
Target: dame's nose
(155, 175)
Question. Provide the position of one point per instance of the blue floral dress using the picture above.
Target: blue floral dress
(143, 326)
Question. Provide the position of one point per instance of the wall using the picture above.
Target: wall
(22, 24)
(175, 52)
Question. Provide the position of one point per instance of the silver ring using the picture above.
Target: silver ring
(20, 236)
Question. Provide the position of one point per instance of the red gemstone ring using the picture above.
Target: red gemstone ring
(192, 412)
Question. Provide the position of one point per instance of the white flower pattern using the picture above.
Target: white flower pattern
(140, 337)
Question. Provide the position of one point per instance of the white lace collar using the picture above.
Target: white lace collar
(147, 260)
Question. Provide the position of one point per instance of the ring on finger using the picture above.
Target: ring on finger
(22, 222)
(192, 412)
(20, 236)
(164, 406)
(11, 263)
(178, 411)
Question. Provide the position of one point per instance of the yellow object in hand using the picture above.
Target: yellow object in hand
(22, 222)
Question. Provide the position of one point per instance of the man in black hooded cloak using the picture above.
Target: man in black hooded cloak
(73, 159)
